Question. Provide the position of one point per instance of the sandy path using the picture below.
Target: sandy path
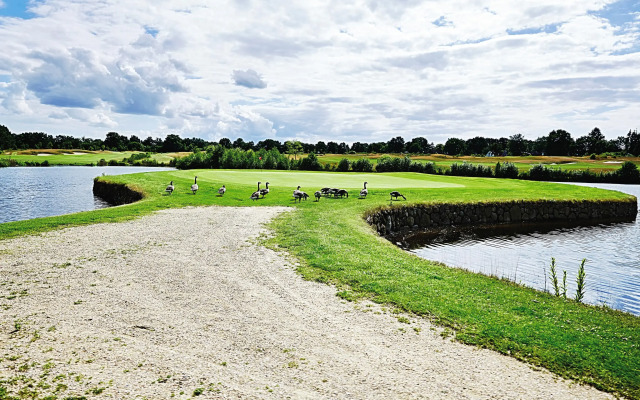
(181, 301)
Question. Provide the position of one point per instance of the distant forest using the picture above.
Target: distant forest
(556, 143)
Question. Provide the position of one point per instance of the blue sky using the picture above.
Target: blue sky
(15, 8)
(365, 70)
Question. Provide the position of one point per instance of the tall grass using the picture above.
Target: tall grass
(581, 282)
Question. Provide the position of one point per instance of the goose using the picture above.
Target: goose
(396, 194)
(170, 188)
(325, 191)
(265, 191)
(297, 190)
(256, 195)
(299, 196)
(222, 190)
(194, 187)
(318, 194)
(341, 193)
(332, 191)
(364, 192)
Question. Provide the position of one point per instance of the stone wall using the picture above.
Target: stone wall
(391, 220)
(115, 193)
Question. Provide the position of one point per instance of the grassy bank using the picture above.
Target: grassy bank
(335, 245)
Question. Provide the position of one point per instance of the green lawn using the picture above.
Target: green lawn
(334, 244)
(68, 157)
(77, 157)
(523, 163)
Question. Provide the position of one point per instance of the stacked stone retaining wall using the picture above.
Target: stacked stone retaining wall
(391, 220)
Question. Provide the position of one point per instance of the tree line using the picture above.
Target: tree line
(556, 143)
(217, 156)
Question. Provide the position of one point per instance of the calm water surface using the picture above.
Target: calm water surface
(34, 192)
(612, 252)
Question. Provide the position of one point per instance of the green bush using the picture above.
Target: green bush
(310, 163)
(628, 173)
(362, 165)
(506, 170)
(387, 163)
(344, 165)
(468, 169)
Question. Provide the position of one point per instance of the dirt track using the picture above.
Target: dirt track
(183, 301)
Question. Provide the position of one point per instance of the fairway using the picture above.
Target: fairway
(311, 181)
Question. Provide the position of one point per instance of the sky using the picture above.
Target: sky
(352, 71)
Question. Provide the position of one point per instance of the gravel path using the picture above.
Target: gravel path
(184, 302)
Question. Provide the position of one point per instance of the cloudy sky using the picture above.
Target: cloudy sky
(365, 70)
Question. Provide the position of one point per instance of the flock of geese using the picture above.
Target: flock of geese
(298, 195)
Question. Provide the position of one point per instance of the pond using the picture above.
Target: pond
(524, 255)
(34, 192)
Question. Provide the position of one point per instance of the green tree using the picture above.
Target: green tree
(321, 147)
(419, 145)
(632, 143)
(7, 140)
(359, 147)
(226, 143)
(596, 142)
(173, 143)
(333, 148)
(293, 147)
(477, 145)
(116, 142)
(559, 143)
(516, 144)
(454, 146)
(395, 145)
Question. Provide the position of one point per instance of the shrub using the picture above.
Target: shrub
(628, 173)
(387, 163)
(362, 165)
(468, 169)
(310, 163)
(344, 165)
(506, 170)
(430, 168)
(220, 157)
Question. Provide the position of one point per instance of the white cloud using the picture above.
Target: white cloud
(358, 71)
(13, 96)
(249, 78)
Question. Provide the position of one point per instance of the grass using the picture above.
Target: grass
(79, 157)
(335, 245)
(84, 157)
(523, 163)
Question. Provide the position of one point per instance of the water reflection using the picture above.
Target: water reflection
(34, 192)
(524, 255)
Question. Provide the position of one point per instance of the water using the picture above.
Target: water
(612, 252)
(34, 192)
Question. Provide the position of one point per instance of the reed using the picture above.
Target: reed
(554, 277)
(580, 280)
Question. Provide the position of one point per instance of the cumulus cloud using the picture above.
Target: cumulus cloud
(364, 70)
(248, 78)
(13, 97)
(130, 83)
